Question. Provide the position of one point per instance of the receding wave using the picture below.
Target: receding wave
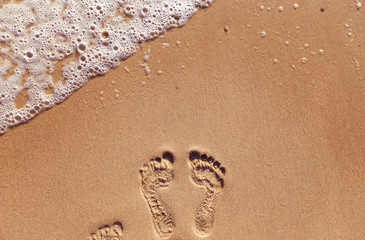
(81, 38)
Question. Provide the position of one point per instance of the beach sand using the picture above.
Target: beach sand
(289, 134)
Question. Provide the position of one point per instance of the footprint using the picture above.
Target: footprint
(108, 233)
(209, 173)
(157, 173)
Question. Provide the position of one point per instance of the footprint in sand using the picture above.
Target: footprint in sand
(157, 173)
(108, 233)
(209, 173)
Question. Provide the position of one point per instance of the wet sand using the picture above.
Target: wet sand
(289, 134)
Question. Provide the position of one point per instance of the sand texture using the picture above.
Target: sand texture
(249, 125)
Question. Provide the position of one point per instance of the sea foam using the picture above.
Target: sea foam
(89, 37)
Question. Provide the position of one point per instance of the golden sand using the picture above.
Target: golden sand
(288, 131)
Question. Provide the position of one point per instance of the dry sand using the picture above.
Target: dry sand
(289, 134)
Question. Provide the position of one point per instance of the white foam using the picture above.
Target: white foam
(35, 35)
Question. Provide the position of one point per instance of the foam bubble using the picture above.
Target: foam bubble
(88, 37)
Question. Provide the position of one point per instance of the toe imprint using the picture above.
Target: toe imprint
(107, 232)
(207, 171)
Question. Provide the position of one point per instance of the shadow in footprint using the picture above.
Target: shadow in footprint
(207, 172)
(158, 173)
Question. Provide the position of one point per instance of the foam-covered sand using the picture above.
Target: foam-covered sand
(236, 144)
(89, 37)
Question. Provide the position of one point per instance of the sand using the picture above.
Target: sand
(289, 134)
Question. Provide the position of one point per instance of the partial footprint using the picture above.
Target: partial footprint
(157, 173)
(209, 173)
(108, 233)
